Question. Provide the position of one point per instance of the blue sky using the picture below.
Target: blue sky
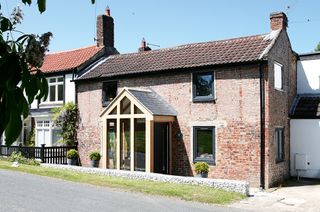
(168, 22)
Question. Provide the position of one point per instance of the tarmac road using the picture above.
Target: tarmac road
(26, 192)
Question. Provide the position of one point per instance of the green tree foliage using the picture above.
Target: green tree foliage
(66, 117)
(317, 49)
(21, 80)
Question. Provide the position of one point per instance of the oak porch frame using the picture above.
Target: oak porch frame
(150, 119)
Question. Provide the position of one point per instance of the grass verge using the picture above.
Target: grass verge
(185, 192)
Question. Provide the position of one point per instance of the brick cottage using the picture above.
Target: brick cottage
(224, 102)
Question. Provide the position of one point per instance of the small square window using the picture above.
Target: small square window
(204, 144)
(279, 143)
(109, 92)
(203, 89)
(278, 76)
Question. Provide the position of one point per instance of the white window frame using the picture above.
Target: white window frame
(45, 124)
(278, 76)
(56, 84)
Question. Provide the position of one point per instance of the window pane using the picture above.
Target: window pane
(56, 136)
(60, 79)
(39, 123)
(204, 84)
(278, 76)
(114, 111)
(137, 110)
(109, 91)
(52, 80)
(46, 123)
(139, 144)
(60, 92)
(125, 106)
(52, 91)
(111, 144)
(279, 144)
(204, 143)
(125, 144)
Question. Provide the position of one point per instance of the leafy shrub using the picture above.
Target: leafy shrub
(67, 118)
(31, 140)
(201, 167)
(72, 154)
(95, 156)
(17, 156)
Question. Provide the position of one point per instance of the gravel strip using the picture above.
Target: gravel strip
(228, 185)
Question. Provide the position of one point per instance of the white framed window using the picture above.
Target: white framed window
(47, 133)
(278, 76)
(55, 89)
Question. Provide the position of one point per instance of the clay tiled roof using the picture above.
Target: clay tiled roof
(306, 107)
(68, 60)
(238, 50)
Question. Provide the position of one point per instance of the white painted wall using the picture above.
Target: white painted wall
(305, 139)
(308, 75)
(70, 92)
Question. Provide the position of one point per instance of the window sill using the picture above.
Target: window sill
(279, 89)
(280, 161)
(203, 99)
(47, 104)
(211, 162)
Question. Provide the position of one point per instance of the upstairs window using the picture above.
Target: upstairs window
(109, 92)
(55, 92)
(278, 76)
(203, 89)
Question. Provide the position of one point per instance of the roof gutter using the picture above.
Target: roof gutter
(262, 127)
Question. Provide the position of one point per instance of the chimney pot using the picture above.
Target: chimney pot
(108, 11)
(143, 43)
(278, 20)
(144, 46)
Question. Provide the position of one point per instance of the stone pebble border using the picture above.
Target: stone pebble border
(228, 185)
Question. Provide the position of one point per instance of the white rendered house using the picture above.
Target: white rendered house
(305, 119)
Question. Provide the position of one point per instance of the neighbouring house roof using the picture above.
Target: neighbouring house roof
(231, 51)
(310, 56)
(306, 107)
(148, 99)
(69, 60)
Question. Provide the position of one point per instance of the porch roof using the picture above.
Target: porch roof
(148, 99)
(306, 107)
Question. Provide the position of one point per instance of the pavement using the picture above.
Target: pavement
(26, 192)
(302, 195)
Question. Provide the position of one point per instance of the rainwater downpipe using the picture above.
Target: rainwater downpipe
(262, 127)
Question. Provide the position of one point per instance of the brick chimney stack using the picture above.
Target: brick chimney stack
(278, 20)
(105, 30)
(144, 46)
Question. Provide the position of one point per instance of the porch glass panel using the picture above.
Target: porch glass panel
(125, 144)
(125, 106)
(111, 144)
(139, 144)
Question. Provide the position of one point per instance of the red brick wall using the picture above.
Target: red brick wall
(90, 107)
(235, 113)
(278, 104)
